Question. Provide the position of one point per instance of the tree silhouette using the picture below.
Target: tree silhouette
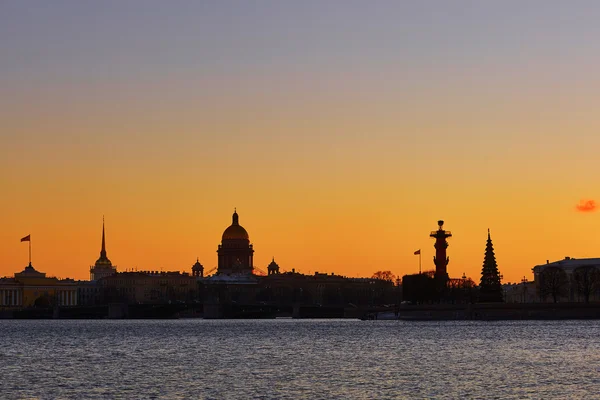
(43, 301)
(587, 280)
(553, 282)
(490, 288)
(384, 275)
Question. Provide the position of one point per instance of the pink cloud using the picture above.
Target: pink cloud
(586, 206)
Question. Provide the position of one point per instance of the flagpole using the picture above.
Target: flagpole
(419, 261)
(29, 251)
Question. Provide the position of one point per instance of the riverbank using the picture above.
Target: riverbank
(424, 312)
(500, 311)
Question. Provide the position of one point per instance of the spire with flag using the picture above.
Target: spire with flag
(28, 239)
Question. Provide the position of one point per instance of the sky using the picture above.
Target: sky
(342, 131)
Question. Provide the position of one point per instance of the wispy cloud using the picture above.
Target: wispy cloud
(586, 206)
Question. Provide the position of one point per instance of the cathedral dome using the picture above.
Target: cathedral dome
(235, 231)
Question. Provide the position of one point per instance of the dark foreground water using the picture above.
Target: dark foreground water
(292, 359)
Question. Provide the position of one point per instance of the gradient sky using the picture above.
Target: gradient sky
(341, 131)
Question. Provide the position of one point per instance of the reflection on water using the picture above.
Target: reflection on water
(291, 359)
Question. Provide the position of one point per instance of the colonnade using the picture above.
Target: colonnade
(11, 297)
(67, 297)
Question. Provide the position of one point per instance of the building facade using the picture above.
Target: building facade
(148, 287)
(570, 279)
(30, 288)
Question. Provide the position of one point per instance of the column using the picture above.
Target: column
(1, 297)
(13, 297)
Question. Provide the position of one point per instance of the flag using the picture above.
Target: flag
(26, 239)
(418, 252)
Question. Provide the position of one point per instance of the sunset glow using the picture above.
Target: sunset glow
(342, 132)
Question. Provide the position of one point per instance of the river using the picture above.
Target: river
(298, 359)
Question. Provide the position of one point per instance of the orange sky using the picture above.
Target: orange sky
(340, 147)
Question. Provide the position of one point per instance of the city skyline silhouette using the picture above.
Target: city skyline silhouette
(342, 132)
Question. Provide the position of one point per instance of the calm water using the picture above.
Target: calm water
(291, 359)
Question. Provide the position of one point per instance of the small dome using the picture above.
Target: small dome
(103, 260)
(273, 264)
(197, 266)
(235, 231)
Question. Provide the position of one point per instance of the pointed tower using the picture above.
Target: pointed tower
(103, 248)
(490, 288)
(103, 267)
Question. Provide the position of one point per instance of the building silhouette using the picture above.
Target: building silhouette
(31, 287)
(436, 286)
(103, 267)
(197, 269)
(441, 244)
(570, 279)
(235, 252)
(273, 268)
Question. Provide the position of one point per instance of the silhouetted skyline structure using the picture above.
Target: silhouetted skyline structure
(235, 251)
(103, 266)
(441, 244)
(490, 288)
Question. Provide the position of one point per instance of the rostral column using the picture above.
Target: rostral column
(441, 244)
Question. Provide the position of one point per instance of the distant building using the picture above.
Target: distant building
(197, 270)
(523, 292)
(236, 285)
(323, 289)
(569, 265)
(569, 279)
(148, 287)
(103, 267)
(235, 252)
(89, 293)
(32, 288)
(273, 268)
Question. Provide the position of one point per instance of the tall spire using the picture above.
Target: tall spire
(103, 250)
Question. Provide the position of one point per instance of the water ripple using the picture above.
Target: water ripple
(298, 359)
